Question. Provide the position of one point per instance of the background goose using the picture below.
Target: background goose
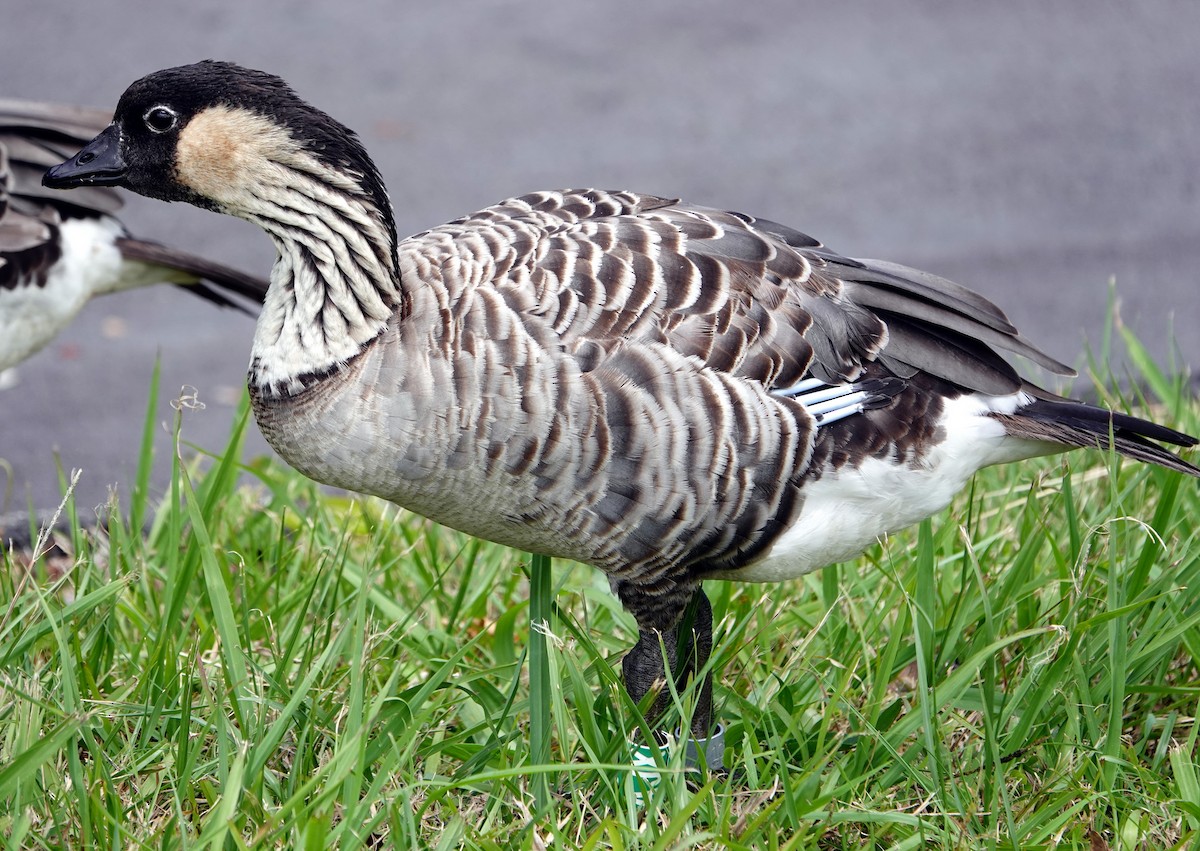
(664, 391)
(57, 251)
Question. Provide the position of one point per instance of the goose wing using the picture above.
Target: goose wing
(745, 296)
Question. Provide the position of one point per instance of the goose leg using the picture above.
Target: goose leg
(682, 633)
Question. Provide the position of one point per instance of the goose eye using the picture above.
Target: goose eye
(160, 119)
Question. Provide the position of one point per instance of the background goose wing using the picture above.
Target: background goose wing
(35, 136)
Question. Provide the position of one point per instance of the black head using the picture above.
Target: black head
(191, 133)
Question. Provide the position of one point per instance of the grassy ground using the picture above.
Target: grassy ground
(273, 667)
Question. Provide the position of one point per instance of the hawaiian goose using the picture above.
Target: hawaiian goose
(666, 392)
(57, 251)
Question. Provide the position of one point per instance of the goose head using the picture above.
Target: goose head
(241, 142)
(220, 136)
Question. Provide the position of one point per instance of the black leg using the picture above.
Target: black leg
(701, 640)
(682, 631)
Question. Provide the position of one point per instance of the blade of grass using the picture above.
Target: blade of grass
(140, 495)
(219, 822)
(236, 675)
(541, 603)
(1145, 366)
(924, 619)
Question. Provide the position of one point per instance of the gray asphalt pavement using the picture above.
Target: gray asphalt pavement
(1032, 151)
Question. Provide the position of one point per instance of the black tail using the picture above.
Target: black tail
(1077, 424)
(217, 276)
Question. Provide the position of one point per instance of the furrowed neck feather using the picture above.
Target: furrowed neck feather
(335, 282)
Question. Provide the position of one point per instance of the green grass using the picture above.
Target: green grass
(270, 666)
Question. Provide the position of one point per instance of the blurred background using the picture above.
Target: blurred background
(1031, 151)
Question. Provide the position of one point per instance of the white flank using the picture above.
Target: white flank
(848, 510)
(31, 316)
